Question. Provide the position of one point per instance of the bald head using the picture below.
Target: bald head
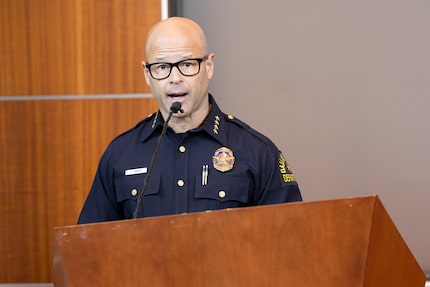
(178, 46)
(175, 33)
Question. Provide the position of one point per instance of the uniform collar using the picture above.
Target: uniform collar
(213, 124)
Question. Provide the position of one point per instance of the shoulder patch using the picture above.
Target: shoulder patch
(287, 177)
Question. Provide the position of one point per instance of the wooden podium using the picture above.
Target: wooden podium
(348, 242)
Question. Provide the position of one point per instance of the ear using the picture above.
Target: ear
(146, 73)
(210, 62)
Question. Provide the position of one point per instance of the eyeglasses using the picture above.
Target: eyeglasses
(162, 70)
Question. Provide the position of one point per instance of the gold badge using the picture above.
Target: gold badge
(223, 159)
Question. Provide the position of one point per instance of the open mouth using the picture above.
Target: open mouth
(177, 96)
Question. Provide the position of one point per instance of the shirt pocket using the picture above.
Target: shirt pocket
(222, 191)
(128, 189)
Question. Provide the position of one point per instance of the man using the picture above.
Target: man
(207, 160)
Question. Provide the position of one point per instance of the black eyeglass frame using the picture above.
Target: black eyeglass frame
(171, 65)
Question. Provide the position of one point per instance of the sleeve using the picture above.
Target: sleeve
(277, 182)
(101, 204)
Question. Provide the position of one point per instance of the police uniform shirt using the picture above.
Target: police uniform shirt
(221, 164)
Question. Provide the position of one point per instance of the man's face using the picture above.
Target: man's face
(190, 91)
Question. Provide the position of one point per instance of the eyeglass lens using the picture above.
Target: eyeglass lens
(187, 68)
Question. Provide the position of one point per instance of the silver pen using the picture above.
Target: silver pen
(205, 171)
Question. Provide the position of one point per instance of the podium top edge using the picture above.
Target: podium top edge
(373, 197)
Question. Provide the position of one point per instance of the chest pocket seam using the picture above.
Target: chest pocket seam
(223, 188)
(124, 186)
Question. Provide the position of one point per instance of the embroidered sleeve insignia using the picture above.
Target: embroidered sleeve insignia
(286, 175)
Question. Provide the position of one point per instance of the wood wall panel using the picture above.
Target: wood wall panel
(49, 152)
(49, 149)
(73, 46)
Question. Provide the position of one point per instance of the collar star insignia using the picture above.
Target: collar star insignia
(216, 125)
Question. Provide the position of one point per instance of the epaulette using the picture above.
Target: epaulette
(232, 119)
(151, 118)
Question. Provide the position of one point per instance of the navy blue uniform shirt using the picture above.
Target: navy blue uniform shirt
(221, 164)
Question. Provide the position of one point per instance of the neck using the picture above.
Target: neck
(183, 123)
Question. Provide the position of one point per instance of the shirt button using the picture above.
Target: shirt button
(221, 194)
(182, 148)
(134, 192)
(180, 182)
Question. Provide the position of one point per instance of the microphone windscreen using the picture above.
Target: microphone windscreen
(176, 107)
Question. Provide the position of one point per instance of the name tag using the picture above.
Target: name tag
(134, 171)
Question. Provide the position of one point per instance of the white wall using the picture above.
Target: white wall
(342, 87)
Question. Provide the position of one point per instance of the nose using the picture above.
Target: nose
(175, 75)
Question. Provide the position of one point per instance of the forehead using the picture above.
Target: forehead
(174, 48)
(175, 39)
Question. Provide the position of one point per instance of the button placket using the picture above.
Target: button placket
(181, 177)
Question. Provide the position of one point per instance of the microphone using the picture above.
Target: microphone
(174, 109)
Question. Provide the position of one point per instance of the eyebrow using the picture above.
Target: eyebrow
(164, 60)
